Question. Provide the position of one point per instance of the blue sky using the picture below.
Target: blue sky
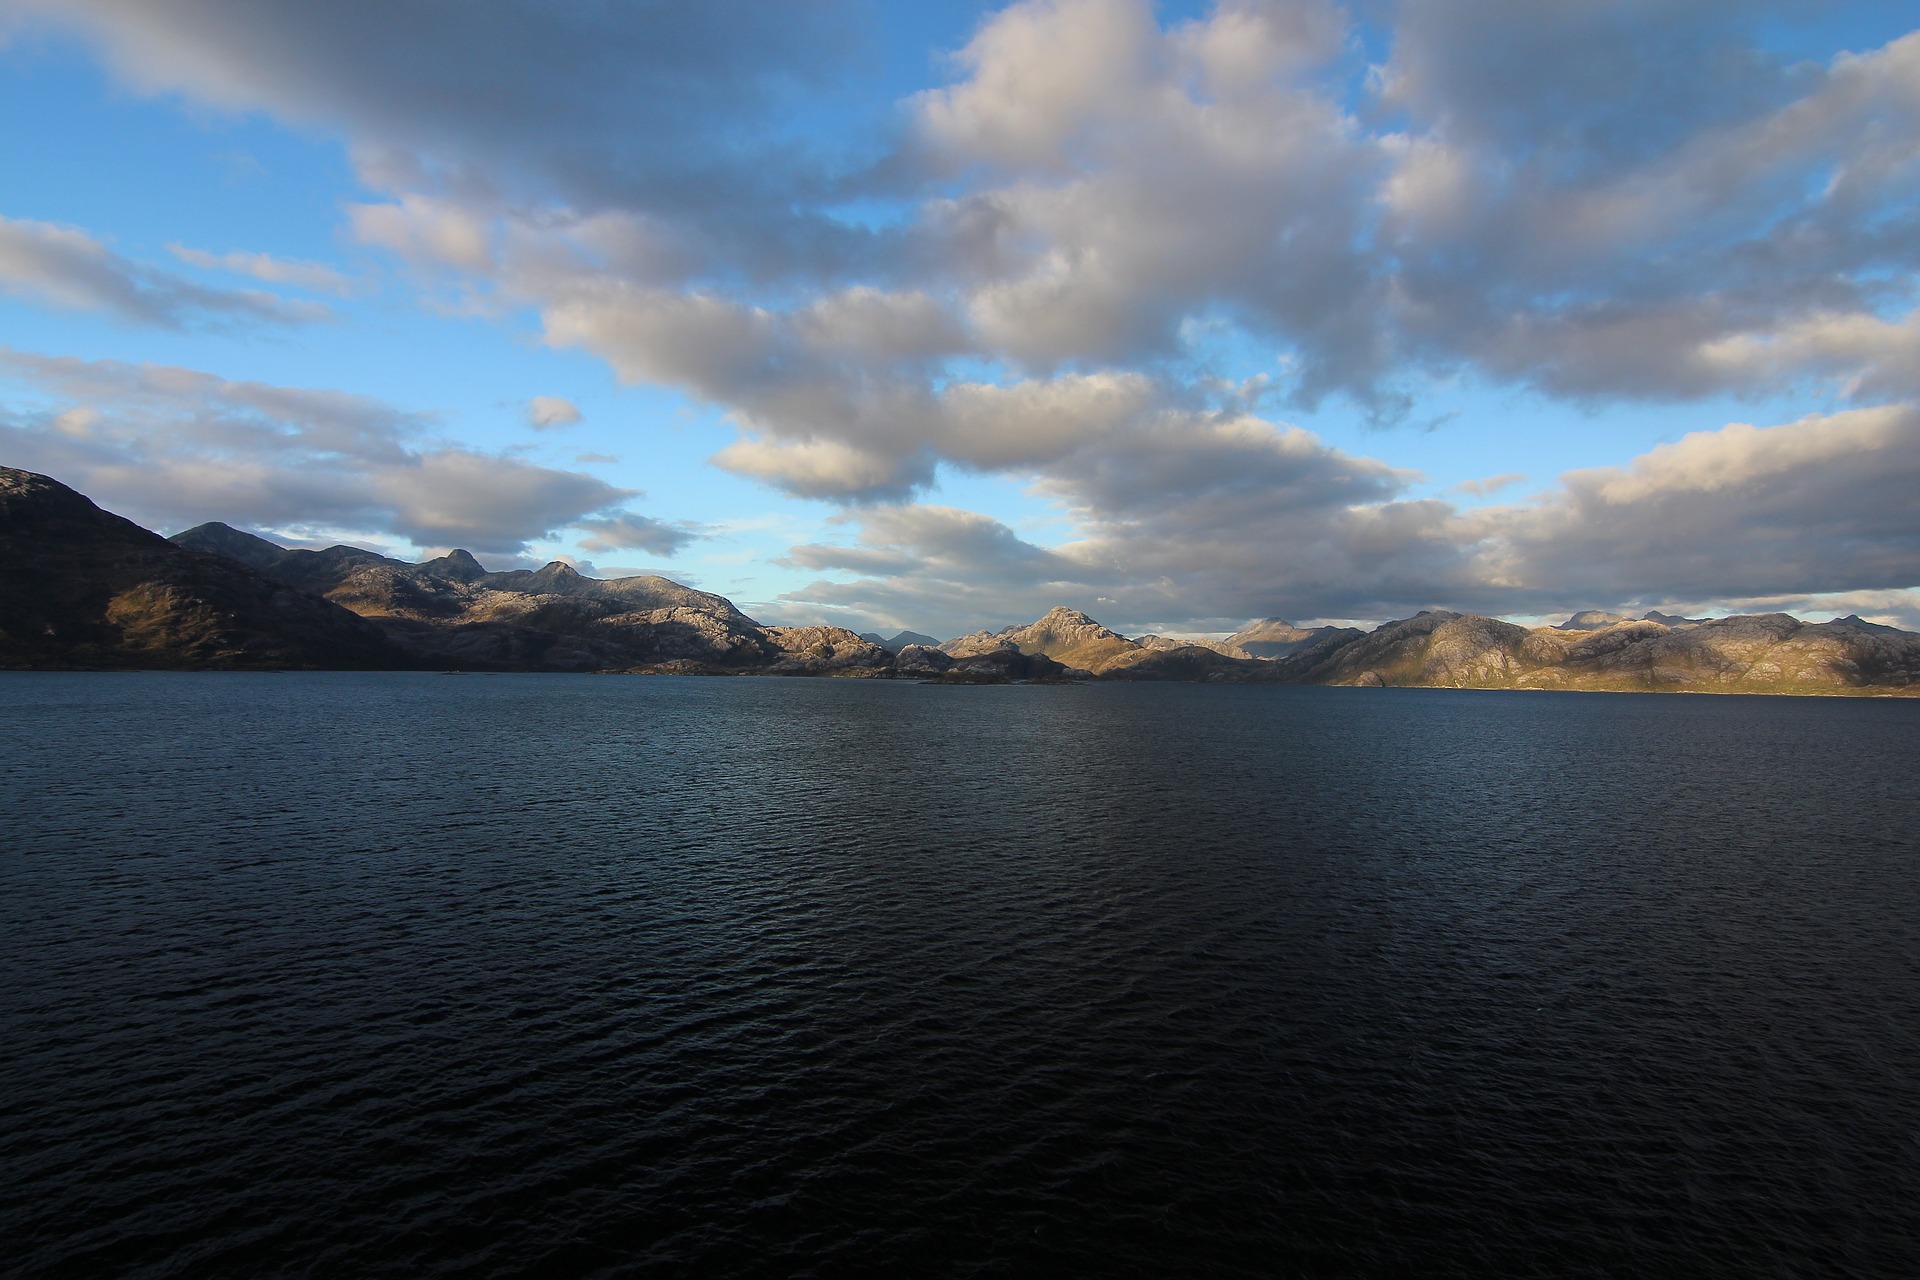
(936, 315)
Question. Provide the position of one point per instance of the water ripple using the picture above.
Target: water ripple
(342, 974)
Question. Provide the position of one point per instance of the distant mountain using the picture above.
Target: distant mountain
(1276, 638)
(1592, 620)
(1166, 644)
(82, 587)
(899, 640)
(1673, 620)
(1072, 638)
(1763, 653)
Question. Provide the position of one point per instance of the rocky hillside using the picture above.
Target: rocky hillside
(82, 587)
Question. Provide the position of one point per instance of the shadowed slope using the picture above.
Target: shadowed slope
(81, 587)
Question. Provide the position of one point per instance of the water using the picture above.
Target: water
(325, 975)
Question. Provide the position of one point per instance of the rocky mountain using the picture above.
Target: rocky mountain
(1763, 653)
(1071, 638)
(82, 587)
(453, 612)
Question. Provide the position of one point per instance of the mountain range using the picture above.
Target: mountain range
(83, 588)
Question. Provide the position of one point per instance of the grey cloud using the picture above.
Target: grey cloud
(1592, 84)
(629, 532)
(1822, 504)
(172, 447)
(569, 88)
(67, 267)
(675, 109)
(549, 413)
(1609, 272)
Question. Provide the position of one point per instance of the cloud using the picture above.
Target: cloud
(1132, 177)
(1065, 252)
(1818, 505)
(626, 532)
(1490, 485)
(549, 413)
(172, 447)
(263, 266)
(65, 267)
(1266, 521)
(695, 112)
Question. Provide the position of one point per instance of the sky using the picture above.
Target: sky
(934, 316)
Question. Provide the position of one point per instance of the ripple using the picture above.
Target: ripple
(379, 974)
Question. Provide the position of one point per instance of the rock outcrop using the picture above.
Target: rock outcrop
(82, 587)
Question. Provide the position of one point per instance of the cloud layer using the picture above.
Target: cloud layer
(1053, 267)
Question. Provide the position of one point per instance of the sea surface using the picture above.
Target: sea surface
(403, 974)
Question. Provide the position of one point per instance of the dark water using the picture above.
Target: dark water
(337, 975)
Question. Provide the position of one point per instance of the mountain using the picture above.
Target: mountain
(1591, 620)
(1167, 644)
(1073, 639)
(1761, 653)
(82, 587)
(899, 640)
(453, 612)
(1276, 638)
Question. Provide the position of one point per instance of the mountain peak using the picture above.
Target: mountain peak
(457, 564)
(223, 539)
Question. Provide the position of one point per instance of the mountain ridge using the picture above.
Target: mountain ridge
(82, 587)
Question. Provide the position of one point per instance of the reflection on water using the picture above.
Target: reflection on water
(329, 974)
